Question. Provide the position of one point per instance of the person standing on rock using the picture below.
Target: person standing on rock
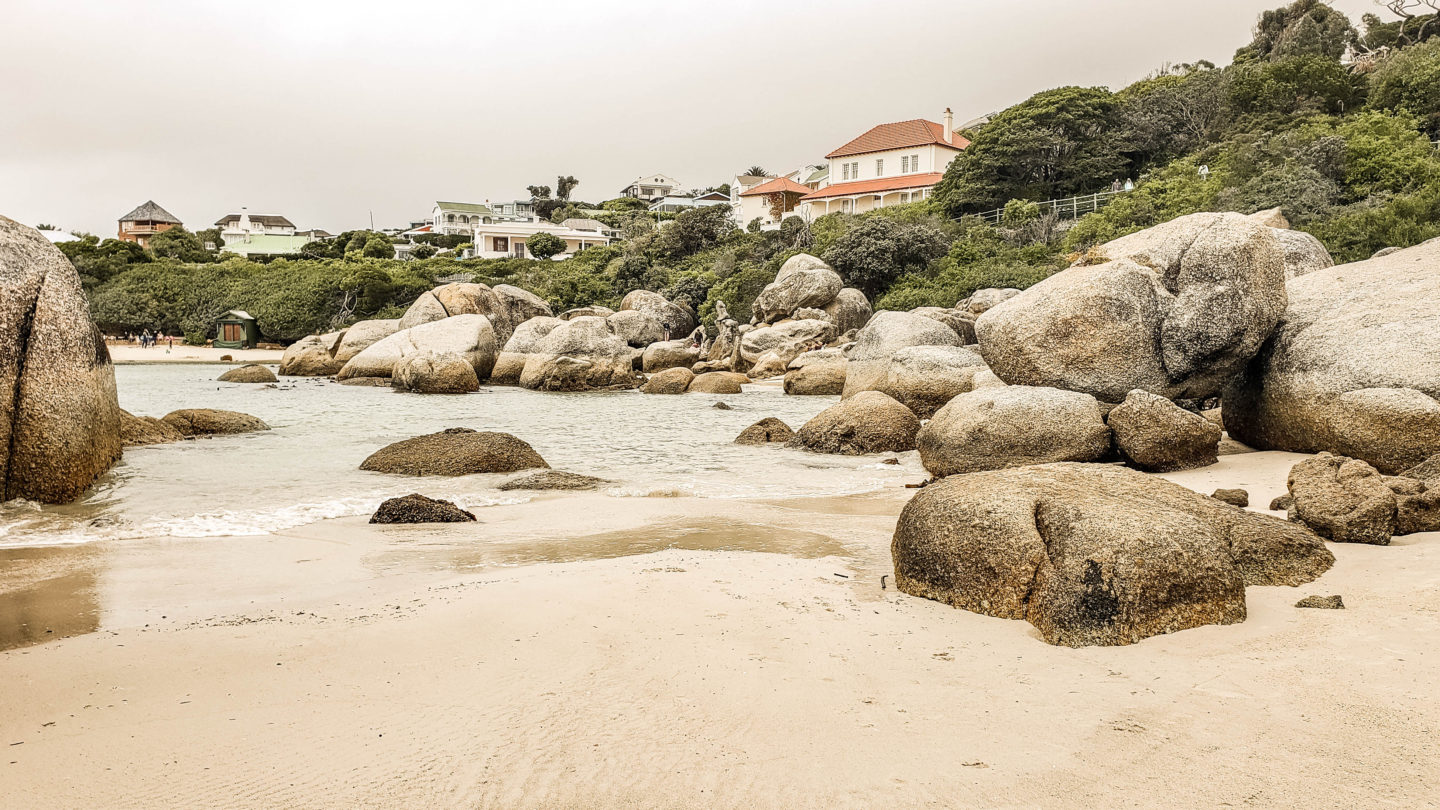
(666, 327)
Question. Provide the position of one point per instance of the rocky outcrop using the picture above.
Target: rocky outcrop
(250, 373)
(982, 301)
(59, 417)
(924, 378)
(137, 431)
(470, 336)
(765, 431)
(420, 509)
(361, 336)
(767, 366)
(817, 373)
(457, 451)
(887, 333)
(1156, 435)
(511, 362)
(962, 322)
(636, 328)
(718, 382)
(520, 305)
(849, 311)
(312, 356)
(669, 381)
(578, 355)
(679, 317)
(1353, 368)
(1427, 470)
(192, 422)
(786, 340)
(1304, 254)
(1093, 555)
(869, 422)
(434, 373)
(594, 311)
(1349, 501)
(552, 480)
(1013, 426)
(505, 311)
(669, 354)
(1177, 310)
(803, 281)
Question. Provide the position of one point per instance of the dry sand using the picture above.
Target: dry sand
(130, 354)
(555, 656)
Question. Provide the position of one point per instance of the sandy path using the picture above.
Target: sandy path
(130, 354)
(704, 678)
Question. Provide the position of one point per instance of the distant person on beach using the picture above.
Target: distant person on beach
(666, 325)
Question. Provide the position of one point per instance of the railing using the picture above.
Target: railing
(1071, 207)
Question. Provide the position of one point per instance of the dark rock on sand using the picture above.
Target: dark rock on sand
(1282, 503)
(1093, 554)
(210, 422)
(457, 451)
(552, 479)
(868, 422)
(1342, 499)
(252, 373)
(1322, 602)
(1156, 435)
(1234, 497)
(420, 509)
(765, 431)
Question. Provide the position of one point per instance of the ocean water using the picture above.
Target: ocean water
(306, 468)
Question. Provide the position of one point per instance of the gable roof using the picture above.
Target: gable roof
(258, 219)
(149, 211)
(467, 208)
(899, 135)
(779, 184)
(879, 184)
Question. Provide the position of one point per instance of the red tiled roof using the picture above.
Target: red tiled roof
(775, 186)
(879, 184)
(899, 135)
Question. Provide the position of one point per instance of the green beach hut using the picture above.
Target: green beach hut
(236, 329)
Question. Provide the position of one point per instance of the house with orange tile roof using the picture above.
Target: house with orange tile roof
(890, 164)
(770, 201)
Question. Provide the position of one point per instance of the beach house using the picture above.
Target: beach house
(650, 187)
(260, 235)
(459, 217)
(502, 238)
(889, 164)
(145, 221)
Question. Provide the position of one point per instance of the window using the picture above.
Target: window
(855, 170)
(449, 217)
(879, 167)
(914, 163)
(844, 171)
(904, 164)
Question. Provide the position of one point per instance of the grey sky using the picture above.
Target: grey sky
(325, 111)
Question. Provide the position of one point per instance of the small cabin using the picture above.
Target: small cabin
(236, 329)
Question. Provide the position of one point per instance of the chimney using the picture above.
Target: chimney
(949, 126)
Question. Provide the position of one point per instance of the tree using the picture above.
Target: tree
(1303, 28)
(424, 251)
(878, 250)
(1410, 29)
(544, 245)
(1410, 81)
(694, 230)
(756, 171)
(178, 243)
(564, 185)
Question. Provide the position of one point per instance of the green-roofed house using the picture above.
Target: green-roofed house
(267, 245)
(459, 218)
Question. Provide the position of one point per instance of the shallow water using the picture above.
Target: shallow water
(306, 468)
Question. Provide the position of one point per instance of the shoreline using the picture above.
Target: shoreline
(129, 354)
(580, 650)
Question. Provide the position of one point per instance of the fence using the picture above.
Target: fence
(1069, 207)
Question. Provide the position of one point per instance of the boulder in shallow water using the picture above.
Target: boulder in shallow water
(817, 373)
(211, 422)
(470, 336)
(312, 356)
(580, 354)
(767, 366)
(137, 431)
(787, 340)
(59, 417)
(552, 480)
(457, 451)
(251, 373)
(420, 509)
(1156, 435)
(511, 362)
(765, 431)
(1093, 554)
(1012, 426)
(434, 373)
(718, 382)
(669, 381)
(869, 422)
(361, 336)
(669, 354)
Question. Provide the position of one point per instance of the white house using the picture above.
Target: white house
(671, 203)
(770, 201)
(651, 187)
(513, 209)
(890, 164)
(458, 217)
(244, 225)
(500, 238)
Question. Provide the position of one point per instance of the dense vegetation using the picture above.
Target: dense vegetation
(1332, 125)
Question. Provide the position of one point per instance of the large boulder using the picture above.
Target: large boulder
(361, 336)
(192, 422)
(1176, 310)
(1156, 435)
(887, 333)
(869, 422)
(425, 309)
(511, 362)
(592, 311)
(59, 417)
(578, 355)
(803, 281)
(249, 373)
(669, 354)
(817, 373)
(312, 356)
(924, 378)
(1354, 366)
(766, 431)
(679, 317)
(787, 340)
(1093, 554)
(1304, 254)
(982, 301)
(669, 381)
(137, 431)
(456, 451)
(434, 373)
(520, 305)
(470, 336)
(768, 366)
(850, 310)
(1013, 426)
(718, 382)
(505, 311)
(639, 329)
(420, 509)
(959, 320)
(1348, 501)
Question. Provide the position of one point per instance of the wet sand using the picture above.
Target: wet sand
(589, 651)
(126, 354)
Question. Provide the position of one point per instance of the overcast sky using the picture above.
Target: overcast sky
(328, 111)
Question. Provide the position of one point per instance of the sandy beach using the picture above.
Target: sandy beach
(588, 651)
(126, 354)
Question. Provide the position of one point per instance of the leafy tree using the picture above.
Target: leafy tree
(1303, 28)
(424, 251)
(212, 238)
(565, 184)
(1411, 29)
(756, 171)
(624, 204)
(694, 230)
(877, 251)
(544, 245)
(1409, 81)
(98, 261)
(1270, 92)
(178, 243)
